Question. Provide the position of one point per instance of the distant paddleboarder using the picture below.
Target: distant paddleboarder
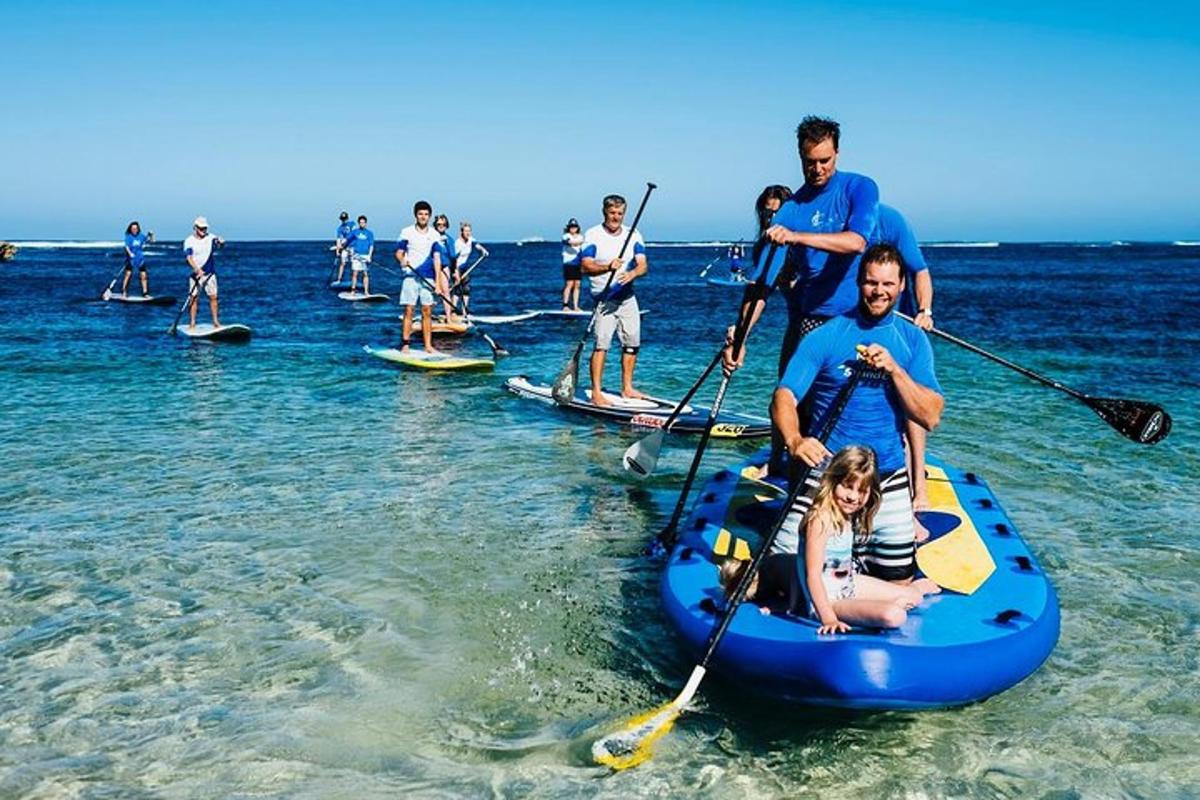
(735, 261)
(618, 307)
(464, 247)
(362, 247)
(199, 249)
(135, 257)
(572, 246)
(446, 258)
(340, 241)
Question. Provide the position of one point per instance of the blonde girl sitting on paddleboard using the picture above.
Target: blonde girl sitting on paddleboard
(843, 510)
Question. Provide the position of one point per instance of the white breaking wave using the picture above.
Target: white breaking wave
(529, 240)
(960, 244)
(1186, 244)
(68, 245)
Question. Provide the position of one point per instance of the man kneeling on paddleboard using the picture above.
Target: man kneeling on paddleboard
(901, 386)
(612, 265)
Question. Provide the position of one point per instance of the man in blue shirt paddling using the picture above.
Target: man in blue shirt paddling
(899, 386)
(362, 247)
(341, 239)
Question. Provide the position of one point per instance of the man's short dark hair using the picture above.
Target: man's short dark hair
(362, 217)
(613, 200)
(816, 130)
(882, 253)
(421, 205)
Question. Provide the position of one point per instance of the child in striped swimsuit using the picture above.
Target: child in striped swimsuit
(845, 504)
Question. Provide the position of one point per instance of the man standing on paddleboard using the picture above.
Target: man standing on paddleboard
(341, 239)
(198, 249)
(362, 247)
(612, 267)
(899, 387)
(418, 253)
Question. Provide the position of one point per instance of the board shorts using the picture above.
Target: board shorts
(463, 289)
(890, 552)
(572, 272)
(623, 318)
(359, 263)
(129, 265)
(343, 256)
(210, 285)
(796, 330)
(413, 289)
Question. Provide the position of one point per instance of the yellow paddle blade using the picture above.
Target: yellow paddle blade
(958, 561)
(631, 744)
(721, 545)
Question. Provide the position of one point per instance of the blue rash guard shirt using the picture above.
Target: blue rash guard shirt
(135, 244)
(894, 229)
(343, 232)
(361, 241)
(825, 283)
(874, 415)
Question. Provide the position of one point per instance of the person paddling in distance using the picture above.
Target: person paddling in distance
(900, 386)
(362, 249)
(735, 261)
(341, 240)
(199, 249)
(572, 256)
(446, 253)
(842, 514)
(135, 257)
(602, 260)
(417, 253)
(463, 248)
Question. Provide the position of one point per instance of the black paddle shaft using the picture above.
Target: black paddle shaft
(1144, 423)
(743, 585)
(194, 293)
(667, 536)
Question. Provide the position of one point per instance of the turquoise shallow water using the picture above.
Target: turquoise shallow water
(287, 569)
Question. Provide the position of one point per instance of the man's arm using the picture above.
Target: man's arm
(783, 413)
(923, 292)
(841, 242)
(921, 404)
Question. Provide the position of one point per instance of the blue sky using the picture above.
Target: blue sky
(1032, 121)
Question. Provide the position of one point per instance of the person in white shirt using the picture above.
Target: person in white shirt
(611, 269)
(420, 256)
(463, 247)
(198, 249)
(572, 246)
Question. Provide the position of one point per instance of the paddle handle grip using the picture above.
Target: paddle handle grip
(743, 585)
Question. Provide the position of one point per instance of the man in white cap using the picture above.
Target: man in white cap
(198, 248)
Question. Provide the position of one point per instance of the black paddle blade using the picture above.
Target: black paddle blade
(1144, 423)
(563, 389)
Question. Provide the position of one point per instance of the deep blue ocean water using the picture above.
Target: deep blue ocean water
(288, 569)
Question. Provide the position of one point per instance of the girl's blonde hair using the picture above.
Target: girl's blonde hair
(852, 464)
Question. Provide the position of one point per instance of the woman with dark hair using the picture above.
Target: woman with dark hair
(572, 253)
(768, 202)
(135, 256)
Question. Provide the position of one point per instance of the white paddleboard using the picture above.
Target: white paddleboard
(223, 333)
(359, 297)
(152, 300)
(500, 319)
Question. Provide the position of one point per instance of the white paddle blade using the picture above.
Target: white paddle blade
(633, 742)
(642, 455)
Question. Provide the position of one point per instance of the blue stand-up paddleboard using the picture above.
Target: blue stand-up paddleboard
(955, 648)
